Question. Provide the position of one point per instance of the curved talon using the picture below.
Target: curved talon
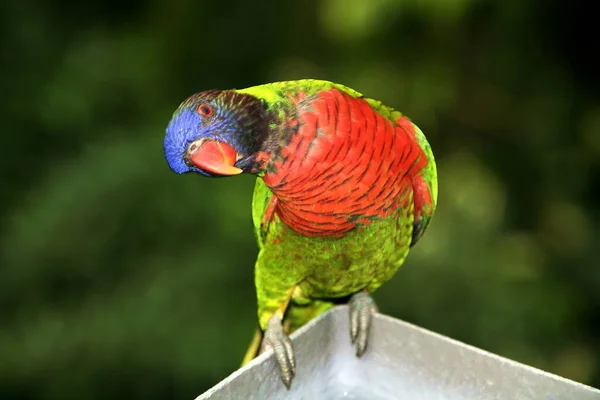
(362, 309)
(275, 338)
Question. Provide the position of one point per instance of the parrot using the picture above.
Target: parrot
(345, 187)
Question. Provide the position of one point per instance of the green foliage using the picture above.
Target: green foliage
(119, 279)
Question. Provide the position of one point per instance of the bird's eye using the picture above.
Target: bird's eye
(205, 110)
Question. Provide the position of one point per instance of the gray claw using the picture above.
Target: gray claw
(362, 309)
(275, 338)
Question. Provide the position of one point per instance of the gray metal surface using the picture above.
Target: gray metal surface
(403, 361)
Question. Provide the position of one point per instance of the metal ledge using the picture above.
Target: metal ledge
(403, 361)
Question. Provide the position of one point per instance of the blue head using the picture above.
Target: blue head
(216, 133)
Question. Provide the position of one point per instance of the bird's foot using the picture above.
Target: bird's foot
(275, 338)
(362, 309)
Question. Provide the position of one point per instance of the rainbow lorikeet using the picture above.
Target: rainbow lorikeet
(346, 185)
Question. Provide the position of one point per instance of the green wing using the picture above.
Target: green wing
(425, 186)
(260, 203)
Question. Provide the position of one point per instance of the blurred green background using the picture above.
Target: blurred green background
(122, 280)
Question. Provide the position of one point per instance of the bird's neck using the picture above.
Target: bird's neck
(299, 188)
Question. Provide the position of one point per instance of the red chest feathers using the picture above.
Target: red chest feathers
(346, 166)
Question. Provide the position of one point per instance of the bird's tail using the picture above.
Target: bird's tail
(295, 317)
(254, 347)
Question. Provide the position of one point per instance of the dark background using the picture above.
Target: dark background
(122, 280)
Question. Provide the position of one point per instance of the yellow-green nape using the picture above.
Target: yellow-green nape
(277, 91)
(264, 92)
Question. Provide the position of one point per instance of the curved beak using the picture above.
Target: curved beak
(212, 156)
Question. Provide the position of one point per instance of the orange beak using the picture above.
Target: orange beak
(215, 157)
